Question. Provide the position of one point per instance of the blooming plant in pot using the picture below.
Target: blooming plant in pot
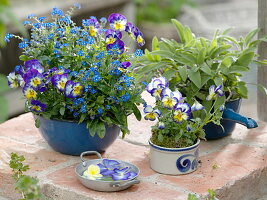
(176, 135)
(78, 78)
(194, 64)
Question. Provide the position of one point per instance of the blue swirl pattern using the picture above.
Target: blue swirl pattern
(187, 162)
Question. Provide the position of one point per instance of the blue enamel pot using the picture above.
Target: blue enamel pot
(72, 138)
(230, 117)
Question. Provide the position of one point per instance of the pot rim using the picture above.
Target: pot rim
(174, 149)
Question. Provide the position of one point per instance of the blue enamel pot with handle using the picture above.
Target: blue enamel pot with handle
(71, 138)
(230, 116)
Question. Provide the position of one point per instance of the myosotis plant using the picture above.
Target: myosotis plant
(81, 73)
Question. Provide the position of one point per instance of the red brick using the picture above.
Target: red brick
(21, 128)
(38, 159)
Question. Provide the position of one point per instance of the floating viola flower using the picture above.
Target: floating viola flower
(73, 89)
(34, 64)
(170, 99)
(197, 106)
(108, 166)
(29, 92)
(156, 85)
(37, 106)
(214, 92)
(59, 81)
(121, 174)
(182, 112)
(117, 21)
(117, 46)
(33, 78)
(93, 172)
(151, 114)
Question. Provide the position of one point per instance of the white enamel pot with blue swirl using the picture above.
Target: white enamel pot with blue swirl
(174, 161)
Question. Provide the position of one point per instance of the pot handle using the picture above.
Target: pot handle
(89, 153)
(230, 114)
(129, 183)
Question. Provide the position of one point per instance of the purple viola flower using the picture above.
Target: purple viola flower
(108, 166)
(29, 92)
(117, 21)
(62, 71)
(151, 113)
(59, 81)
(117, 46)
(125, 65)
(73, 89)
(170, 99)
(112, 36)
(139, 37)
(121, 174)
(37, 106)
(161, 125)
(34, 64)
(214, 92)
(19, 70)
(182, 112)
(130, 30)
(33, 78)
(12, 80)
(197, 106)
(156, 85)
(93, 25)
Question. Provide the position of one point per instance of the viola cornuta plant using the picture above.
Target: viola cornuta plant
(81, 73)
(180, 124)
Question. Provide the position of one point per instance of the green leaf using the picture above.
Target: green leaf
(136, 112)
(238, 69)
(37, 122)
(205, 68)
(227, 61)
(83, 116)
(101, 129)
(148, 55)
(245, 59)
(188, 35)
(250, 35)
(62, 110)
(183, 72)
(218, 81)
(180, 29)
(163, 53)
(242, 89)
(24, 58)
(201, 56)
(155, 44)
(92, 127)
(151, 67)
(100, 99)
(195, 77)
(170, 73)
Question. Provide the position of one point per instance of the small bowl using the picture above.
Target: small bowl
(100, 185)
